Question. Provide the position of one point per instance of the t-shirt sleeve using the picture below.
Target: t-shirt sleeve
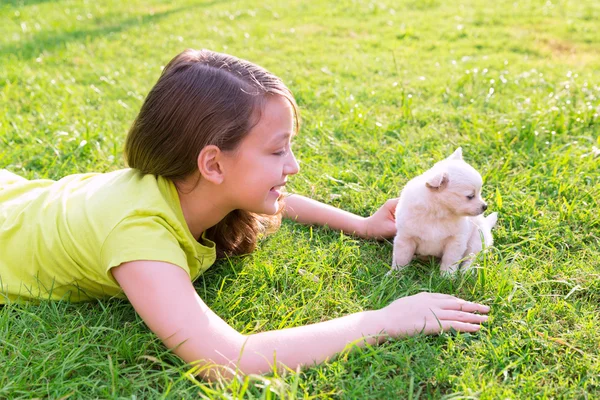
(141, 238)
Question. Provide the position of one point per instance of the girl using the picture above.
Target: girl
(210, 155)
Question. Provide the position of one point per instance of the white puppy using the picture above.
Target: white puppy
(440, 214)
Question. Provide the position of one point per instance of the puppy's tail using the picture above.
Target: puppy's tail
(492, 219)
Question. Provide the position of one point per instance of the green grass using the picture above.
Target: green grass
(385, 89)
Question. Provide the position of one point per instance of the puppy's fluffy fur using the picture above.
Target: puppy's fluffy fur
(440, 214)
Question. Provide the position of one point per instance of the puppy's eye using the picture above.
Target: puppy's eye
(471, 196)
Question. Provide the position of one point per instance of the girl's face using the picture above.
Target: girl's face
(257, 170)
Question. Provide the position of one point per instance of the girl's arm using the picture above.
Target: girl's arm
(166, 300)
(307, 211)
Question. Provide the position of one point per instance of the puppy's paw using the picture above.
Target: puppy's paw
(466, 265)
(449, 270)
(396, 269)
(470, 269)
(392, 272)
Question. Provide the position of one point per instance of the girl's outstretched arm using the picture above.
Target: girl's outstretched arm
(307, 211)
(166, 300)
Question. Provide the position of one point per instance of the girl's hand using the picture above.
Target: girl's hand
(382, 224)
(431, 313)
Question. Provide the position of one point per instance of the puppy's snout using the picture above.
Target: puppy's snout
(484, 207)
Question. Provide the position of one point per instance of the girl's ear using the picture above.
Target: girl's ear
(209, 164)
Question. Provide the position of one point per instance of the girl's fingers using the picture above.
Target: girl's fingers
(466, 306)
(460, 326)
(460, 316)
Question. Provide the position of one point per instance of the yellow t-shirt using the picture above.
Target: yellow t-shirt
(60, 239)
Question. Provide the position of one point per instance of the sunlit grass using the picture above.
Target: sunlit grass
(385, 89)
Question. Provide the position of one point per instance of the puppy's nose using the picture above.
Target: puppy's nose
(484, 207)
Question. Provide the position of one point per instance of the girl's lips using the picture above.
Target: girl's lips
(277, 189)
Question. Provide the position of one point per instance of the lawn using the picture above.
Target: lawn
(385, 89)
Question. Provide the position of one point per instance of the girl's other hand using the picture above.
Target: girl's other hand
(431, 313)
(382, 224)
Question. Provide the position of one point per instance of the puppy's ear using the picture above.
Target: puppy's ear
(437, 181)
(457, 155)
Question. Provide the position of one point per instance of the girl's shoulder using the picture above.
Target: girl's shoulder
(124, 190)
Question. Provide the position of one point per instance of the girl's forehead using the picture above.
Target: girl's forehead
(276, 122)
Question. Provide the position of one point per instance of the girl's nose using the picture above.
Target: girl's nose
(291, 166)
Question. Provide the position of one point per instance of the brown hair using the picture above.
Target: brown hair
(205, 98)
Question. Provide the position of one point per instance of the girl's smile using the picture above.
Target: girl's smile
(278, 189)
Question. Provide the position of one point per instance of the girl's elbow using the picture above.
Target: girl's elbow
(228, 360)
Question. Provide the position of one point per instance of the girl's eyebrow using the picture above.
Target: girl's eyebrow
(281, 136)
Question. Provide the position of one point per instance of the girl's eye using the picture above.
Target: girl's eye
(281, 152)
(471, 196)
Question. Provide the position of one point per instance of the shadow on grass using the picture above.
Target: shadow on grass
(46, 41)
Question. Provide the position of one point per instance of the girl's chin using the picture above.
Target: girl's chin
(272, 205)
(270, 210)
